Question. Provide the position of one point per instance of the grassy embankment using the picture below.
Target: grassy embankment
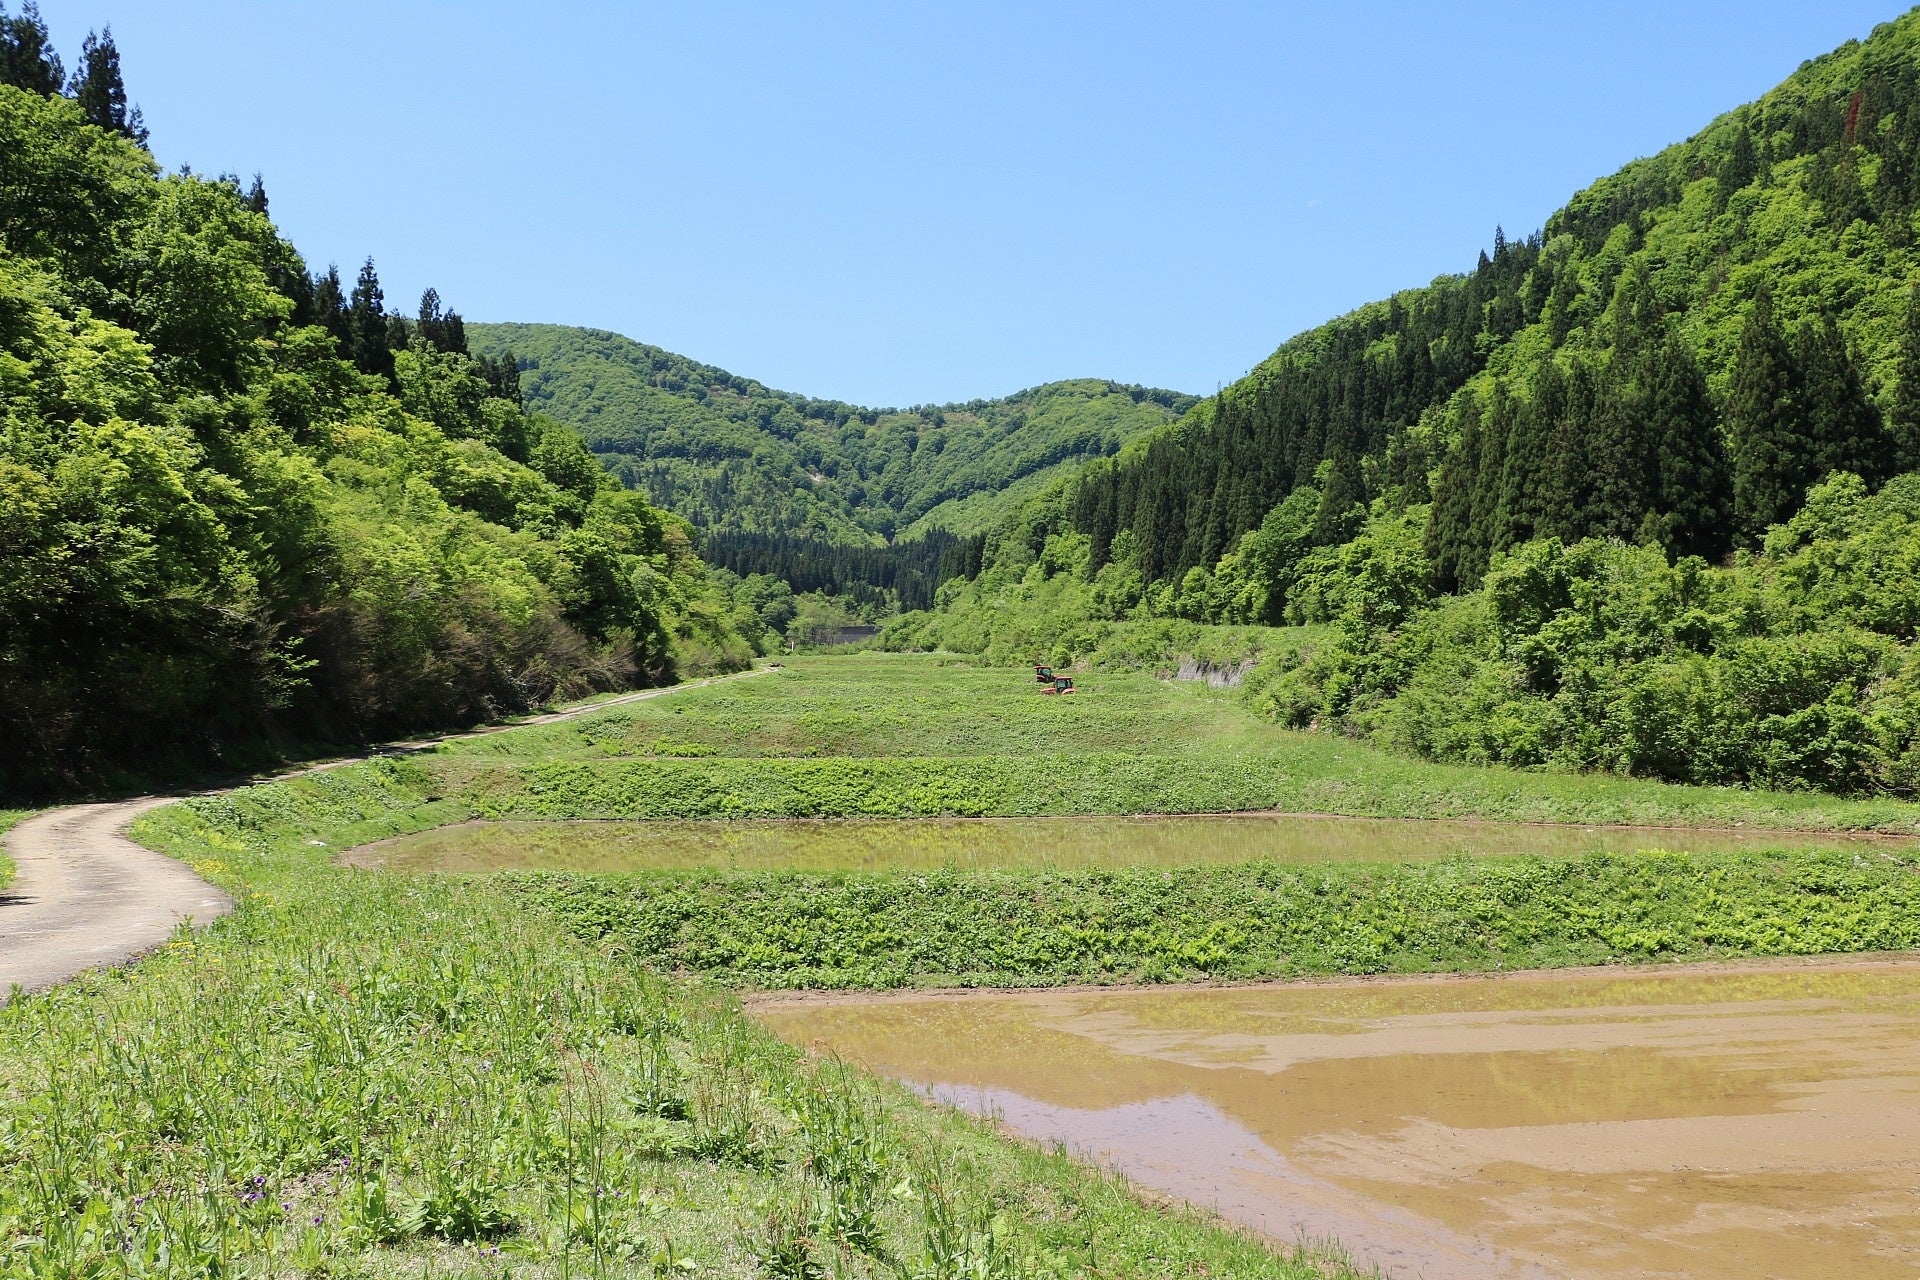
(896, 736)
(368, 1073)
(9, 818)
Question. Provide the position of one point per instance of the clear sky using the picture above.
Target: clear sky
(894, 203)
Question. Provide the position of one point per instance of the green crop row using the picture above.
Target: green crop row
(1264, 920)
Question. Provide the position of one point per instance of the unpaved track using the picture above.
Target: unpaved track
(84, 895)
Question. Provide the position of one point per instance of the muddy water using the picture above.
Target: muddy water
(1724, 1122)
(918, 844)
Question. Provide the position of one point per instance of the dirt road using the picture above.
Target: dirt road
(85, 895)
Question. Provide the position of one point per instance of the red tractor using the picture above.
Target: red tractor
(1061, 684)
(1043, 674)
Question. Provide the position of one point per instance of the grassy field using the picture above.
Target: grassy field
(1233, 923)
(371, 1074)
(360, 1074)
(893, 735)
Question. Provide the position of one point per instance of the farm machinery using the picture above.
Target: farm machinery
(1043, 675)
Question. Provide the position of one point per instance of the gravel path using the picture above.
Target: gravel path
(84, 895)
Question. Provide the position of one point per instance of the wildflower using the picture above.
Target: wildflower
(318, 1219)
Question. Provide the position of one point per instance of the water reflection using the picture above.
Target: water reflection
(1746, 1121)
(1065, 843)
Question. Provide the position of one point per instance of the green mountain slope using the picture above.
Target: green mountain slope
(732, 455)
(236, 506)
(1634, 494)
(1558, 345)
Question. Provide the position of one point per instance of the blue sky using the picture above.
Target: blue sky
(897, 203)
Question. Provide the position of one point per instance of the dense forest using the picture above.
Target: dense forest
(877, 581)
(246, 501)
(1684, 349)
(734, 456)
(1557, 510)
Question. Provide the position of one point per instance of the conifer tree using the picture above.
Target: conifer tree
(1620, 471)
(1773, 459)
(1616, 492)
(1449, 536)
(1568, 489)
(1416, 488)
(503, 381)
(27, 57)
(1692, 487)
(1903, 420)
(1520, 514)
(1740, 166)
(256, 197)
(1842, 422)
(367, 324)
(1494, 430)
(330, 309)
(100, 91)
(1342, 508)
(443, 330)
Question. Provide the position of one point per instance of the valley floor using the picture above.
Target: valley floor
(365, 1072)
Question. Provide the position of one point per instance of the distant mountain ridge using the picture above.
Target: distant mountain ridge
(733, 455)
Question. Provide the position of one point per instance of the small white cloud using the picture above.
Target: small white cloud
(1314, 203)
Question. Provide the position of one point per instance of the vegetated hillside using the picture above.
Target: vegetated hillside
(732, 455)
(1688, 349)
(238, 501)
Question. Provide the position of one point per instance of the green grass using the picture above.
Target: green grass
(9, 818)
(369, 1074)
(898, 735)
(1233, 923)
(358, 1074)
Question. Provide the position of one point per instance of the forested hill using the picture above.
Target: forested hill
(1636, 493)
(240, 502)
(1686, 346)
(734, 456)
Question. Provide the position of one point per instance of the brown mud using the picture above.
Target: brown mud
(1752, 1120)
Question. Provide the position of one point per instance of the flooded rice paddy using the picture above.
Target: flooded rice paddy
(1064, 843)
(1737, 1121)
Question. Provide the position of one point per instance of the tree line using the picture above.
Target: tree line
(878, 580)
